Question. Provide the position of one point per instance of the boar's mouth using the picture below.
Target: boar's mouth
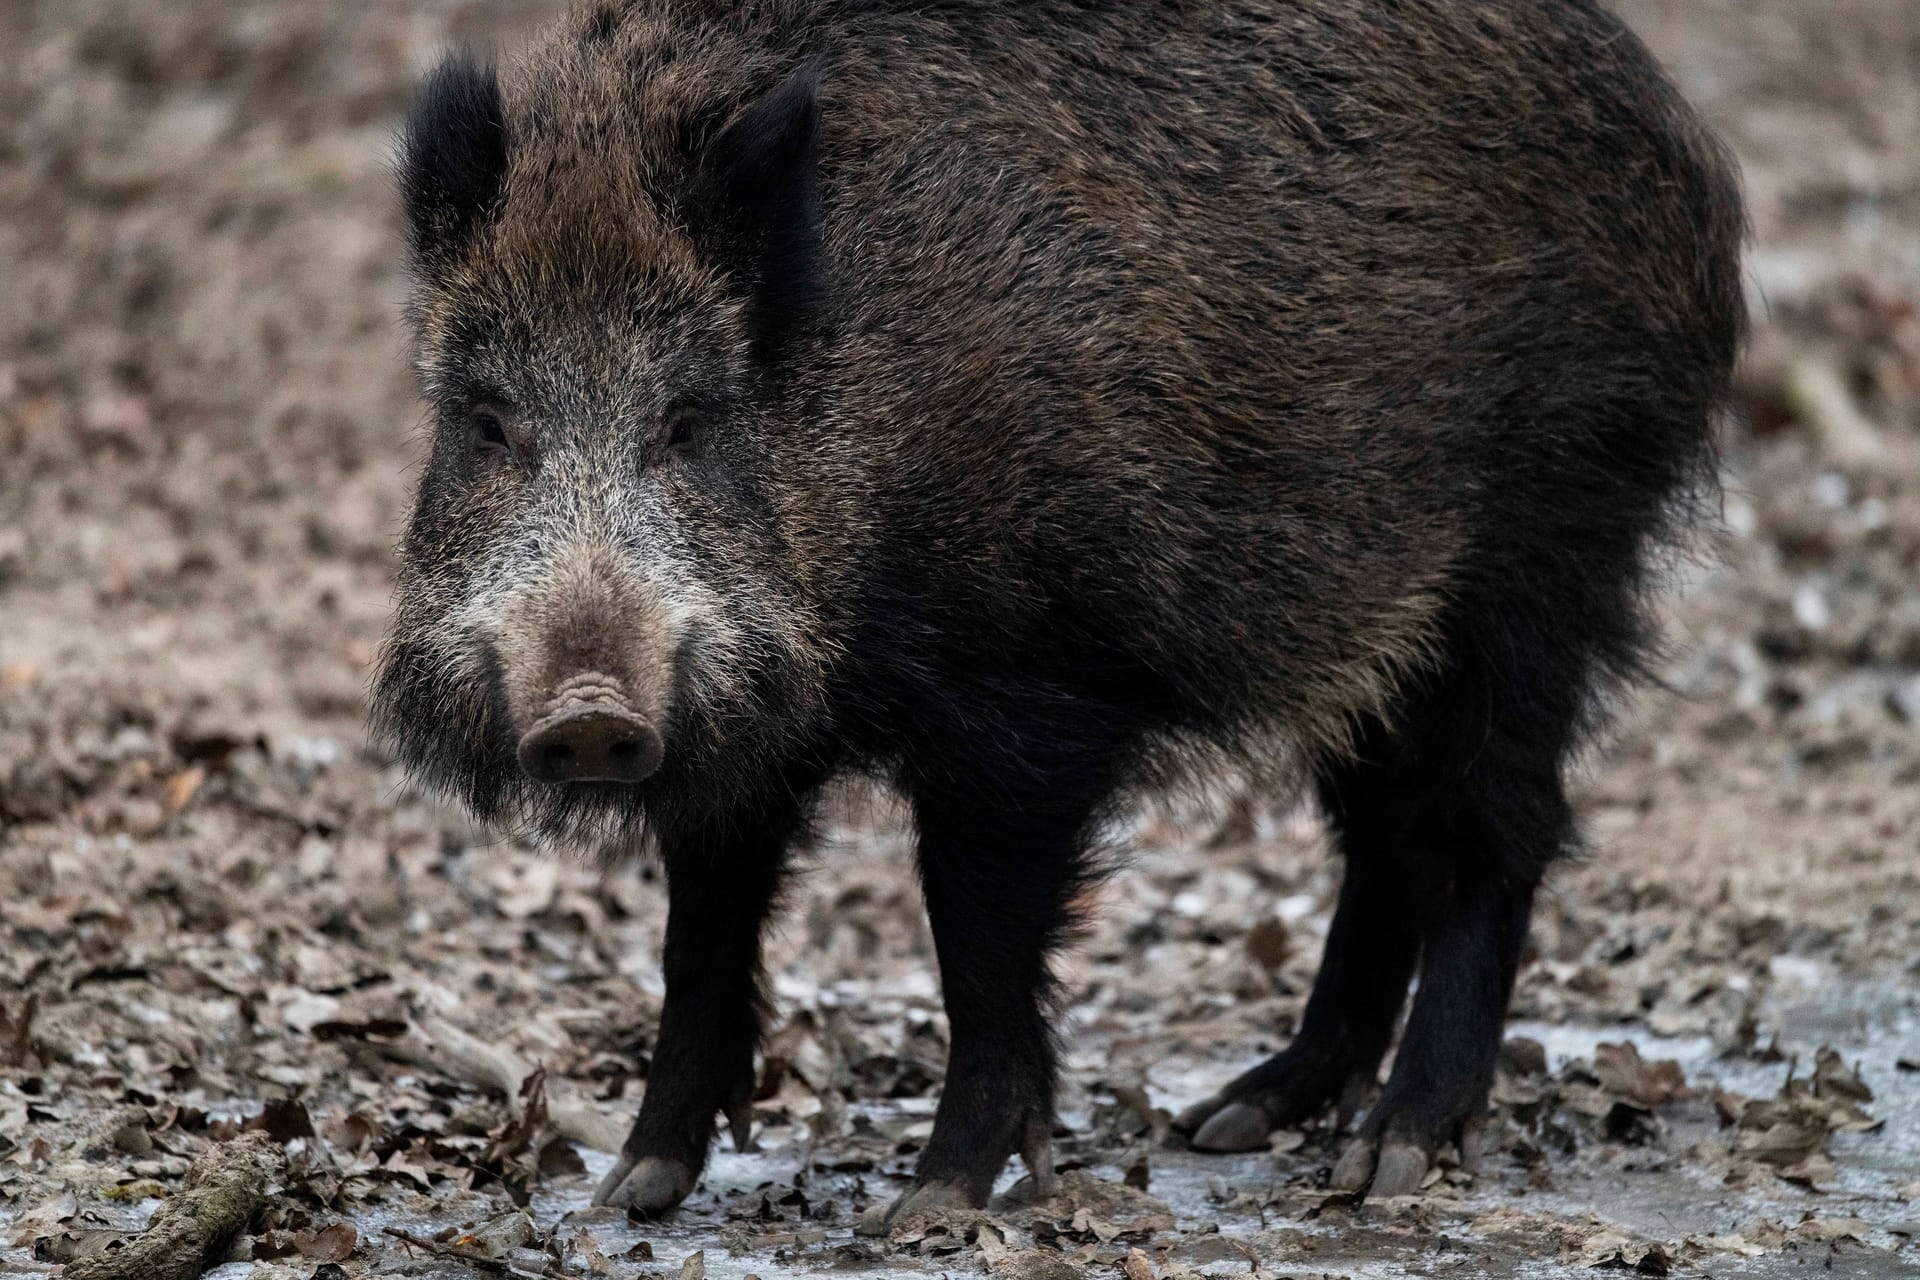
(589, 732)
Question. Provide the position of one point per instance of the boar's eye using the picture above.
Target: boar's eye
(681, 428)
(490, 431)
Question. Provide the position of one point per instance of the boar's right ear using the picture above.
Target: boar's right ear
(760, 197)
(453, 155)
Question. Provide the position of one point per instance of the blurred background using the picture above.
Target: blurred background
(218, 909)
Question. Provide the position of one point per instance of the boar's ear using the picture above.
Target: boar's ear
(453, 155)
(760, 195)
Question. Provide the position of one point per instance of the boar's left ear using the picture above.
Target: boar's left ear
(760, 197)
(453, 155)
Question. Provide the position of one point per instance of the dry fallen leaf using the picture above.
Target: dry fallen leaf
(1615, 1250)
(328, 1244)
(1269, 943)
(44, 1217)
(1832, 1078)
(1622, 1071)
(1831, 1229)
(1783, 1142)
(182, 786)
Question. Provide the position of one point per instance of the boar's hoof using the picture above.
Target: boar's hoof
(935, 1196)
(590, 744)
(1291, 1086)
(650, 1185)
(1238, 1126)
(927, 1197)
(1396, 1167)
(1036, 1152)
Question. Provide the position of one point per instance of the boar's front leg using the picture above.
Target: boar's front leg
(719, 889)
(998, 874)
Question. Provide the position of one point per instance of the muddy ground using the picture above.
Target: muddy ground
(222, 912)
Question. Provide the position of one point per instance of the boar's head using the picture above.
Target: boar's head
(611, 590)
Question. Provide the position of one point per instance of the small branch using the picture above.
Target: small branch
(16, 1042)
(479, 1261)
(439, 1045)
(223, 1190)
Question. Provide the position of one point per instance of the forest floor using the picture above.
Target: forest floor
(220, 911)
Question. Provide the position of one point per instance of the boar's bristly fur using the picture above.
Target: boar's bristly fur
(1029, 402)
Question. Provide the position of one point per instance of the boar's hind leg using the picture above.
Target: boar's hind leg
(1484, 811)
(1369, 957)
(998, 877)
(719, 889)
(1437, 1092)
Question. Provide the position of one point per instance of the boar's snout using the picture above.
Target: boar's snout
(588, 734)
(584, 649)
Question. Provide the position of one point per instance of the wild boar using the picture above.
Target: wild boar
(1029, 404)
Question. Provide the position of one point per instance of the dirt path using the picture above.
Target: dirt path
(219, 911)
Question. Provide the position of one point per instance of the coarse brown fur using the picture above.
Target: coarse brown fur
(1084, 390)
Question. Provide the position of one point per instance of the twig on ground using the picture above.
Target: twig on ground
(480, 1261)
(438, 1044)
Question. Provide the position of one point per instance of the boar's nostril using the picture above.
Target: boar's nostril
(590, 744)
(554, 761)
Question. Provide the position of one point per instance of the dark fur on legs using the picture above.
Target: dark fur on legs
(1484, 749)
(1004, 850)
(721, 883)
(1448, 819)
(997, 880)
